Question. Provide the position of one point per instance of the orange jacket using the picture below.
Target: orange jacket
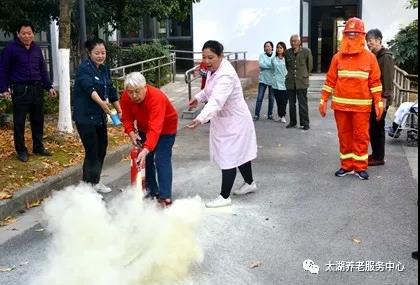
(353, 80)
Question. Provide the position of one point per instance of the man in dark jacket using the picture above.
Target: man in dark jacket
(23, 78)
(377, 128)
(299, 65)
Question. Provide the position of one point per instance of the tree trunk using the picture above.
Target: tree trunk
(64, 113)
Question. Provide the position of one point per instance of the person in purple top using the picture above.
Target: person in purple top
(23, 77)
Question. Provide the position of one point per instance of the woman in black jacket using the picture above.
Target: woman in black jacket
(93, 93)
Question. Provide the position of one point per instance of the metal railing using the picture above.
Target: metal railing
(404, 85)
(186, 56)
(156, 63)
(192, 74)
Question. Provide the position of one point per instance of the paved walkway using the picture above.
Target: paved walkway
(300, 212)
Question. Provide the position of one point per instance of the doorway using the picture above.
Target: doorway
(326, 25)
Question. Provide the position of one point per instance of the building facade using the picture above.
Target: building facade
(245, 25)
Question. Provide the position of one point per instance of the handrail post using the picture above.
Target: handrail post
(236, 61)
(158, 73)
(395, 87)
(402, 85)
(189, 87)
(174, 67)
(244, 64)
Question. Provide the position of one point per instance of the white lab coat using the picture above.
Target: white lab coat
(232, 138)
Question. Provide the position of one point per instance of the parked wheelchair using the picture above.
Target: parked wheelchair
(408, 123)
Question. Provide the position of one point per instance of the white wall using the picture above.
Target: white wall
(246, 24)
(388, 16)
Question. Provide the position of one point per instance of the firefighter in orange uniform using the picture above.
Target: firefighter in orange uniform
(353, 81)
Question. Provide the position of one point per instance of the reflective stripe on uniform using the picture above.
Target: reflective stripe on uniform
(353, 74)
(359, 102)
(327, 88)
(346, 156)
(376, 89)
(354, 156)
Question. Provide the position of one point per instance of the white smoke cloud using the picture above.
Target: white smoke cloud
(128, 242)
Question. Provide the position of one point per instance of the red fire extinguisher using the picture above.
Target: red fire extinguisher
(137, 175)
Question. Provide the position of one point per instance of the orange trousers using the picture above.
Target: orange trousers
(353, 136)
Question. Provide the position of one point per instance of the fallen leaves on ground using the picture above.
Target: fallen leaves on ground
(255, 264)
(67, 151)
(356, 240)
(8, 221)
(5, 195)
(33, 204)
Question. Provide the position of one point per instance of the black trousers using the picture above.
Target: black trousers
(229, 175)
(28, 99)
(281, 101)
(302, 98)
(95, 142)
(377, 135)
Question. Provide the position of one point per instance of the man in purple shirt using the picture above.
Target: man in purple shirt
(23, 76)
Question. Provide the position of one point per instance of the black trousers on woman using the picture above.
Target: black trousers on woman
(95, 142)
(229, 175)
(281, 101)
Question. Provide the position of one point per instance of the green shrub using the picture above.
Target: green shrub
(119, 85)
(50, 104)
(113, 54)
(144, 52)
(405, 48)
(5, 106)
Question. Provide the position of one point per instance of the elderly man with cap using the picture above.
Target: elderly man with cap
(354, 82)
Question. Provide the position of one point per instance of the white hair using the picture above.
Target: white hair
(295, 36)
(134, 79)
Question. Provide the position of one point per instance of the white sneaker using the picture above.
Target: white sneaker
(246, 188)
(101, 188)
(283, 120)
(219, 202)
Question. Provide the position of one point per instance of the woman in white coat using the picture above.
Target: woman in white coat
(233, 142)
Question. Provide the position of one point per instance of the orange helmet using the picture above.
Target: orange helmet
(354, 25)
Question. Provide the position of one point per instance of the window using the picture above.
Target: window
(149, 27)
(180, 29)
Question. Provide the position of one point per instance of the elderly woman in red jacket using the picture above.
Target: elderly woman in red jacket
(148, 115)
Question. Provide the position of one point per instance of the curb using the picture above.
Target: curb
(41, 190)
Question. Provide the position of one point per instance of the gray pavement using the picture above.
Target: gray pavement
(300, 212)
